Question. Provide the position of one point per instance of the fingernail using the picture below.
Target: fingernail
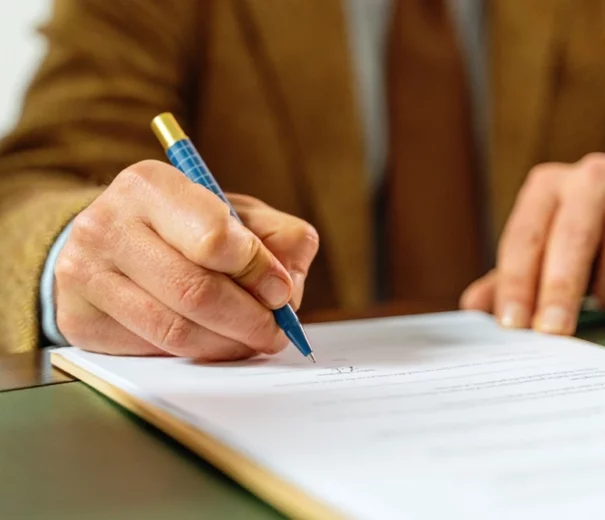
(298, 279)
(553, 320)
(274, 291)
(514, 316)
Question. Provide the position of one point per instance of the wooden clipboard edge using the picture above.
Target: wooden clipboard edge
(284, 497)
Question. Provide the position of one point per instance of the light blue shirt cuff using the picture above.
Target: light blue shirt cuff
(47, 292)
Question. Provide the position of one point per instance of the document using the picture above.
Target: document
(421, 417)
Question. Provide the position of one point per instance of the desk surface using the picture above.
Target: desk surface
(28, 370)
(68, 452)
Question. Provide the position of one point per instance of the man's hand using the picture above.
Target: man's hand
(551, 245)
(157, 265)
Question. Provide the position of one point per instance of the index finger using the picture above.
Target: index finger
(293, 241)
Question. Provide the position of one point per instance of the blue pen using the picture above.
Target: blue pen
(183, 155)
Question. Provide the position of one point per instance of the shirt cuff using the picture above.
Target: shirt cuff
(47, 292)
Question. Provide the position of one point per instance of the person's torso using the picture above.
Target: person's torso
(280, 114)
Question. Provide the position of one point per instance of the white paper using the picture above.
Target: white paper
(435, 416)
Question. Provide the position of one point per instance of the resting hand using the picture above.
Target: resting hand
(550, 247)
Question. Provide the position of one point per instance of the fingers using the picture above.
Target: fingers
(479, 296)
(574, 241)
(142, 314)
(205, 297)
(83, 325)
(157, 265)
(94, 280)
(522, 246)
(198, 224)
(293, 241)
(549, 247)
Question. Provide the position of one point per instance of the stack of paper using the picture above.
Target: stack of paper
(436, 416)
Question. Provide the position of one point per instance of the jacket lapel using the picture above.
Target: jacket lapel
(303, 48)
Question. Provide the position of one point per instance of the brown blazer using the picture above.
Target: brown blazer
(265, 89)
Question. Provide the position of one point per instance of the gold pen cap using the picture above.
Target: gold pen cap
(167, 130)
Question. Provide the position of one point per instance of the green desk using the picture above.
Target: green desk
(67, 452)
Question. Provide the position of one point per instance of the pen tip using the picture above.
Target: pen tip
(312, 356)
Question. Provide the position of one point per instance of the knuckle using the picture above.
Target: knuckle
(96, 278)
(304, 246)
(139, 174)
(173, 332)
(511, 278)
(196, 292)
(309, 236)
(68, 268)
(581, 236)
(596, 159)
(94, 226)
(215, 240)
(531, 237)
(592, 169)
(515, 283)
(559, 288)
(71, 327)
(519, 238)
(539, 174)
(538, 181)
(522, 237)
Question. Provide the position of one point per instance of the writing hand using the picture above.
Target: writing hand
(157, 265)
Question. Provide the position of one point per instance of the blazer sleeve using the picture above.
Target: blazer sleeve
(110, 67)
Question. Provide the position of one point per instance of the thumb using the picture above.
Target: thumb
(292, 241)
(295, 247)
(234, 250)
